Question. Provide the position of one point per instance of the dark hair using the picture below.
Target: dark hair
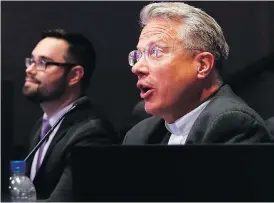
(80, 51)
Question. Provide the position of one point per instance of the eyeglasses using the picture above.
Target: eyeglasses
(42, 65)
(152, 53)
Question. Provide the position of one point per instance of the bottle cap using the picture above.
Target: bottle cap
(18, 166)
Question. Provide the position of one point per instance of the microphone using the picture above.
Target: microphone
(75, 104)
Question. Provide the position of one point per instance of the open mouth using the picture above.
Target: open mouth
(144, 89)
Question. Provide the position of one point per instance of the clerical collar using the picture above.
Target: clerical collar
(184, 124)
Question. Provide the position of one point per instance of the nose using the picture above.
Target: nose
(140, 68)
(31, 69)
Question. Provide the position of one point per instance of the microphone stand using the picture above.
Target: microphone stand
(48, 134)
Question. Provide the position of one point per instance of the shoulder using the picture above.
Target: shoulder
(94, 131)
(141, 131)
(88, 123)
(147, 124)
(228, 104)
(228, 117)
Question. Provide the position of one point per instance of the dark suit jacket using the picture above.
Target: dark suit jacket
(270, 125)
(81, 127)
(138, 114)
(226, 119)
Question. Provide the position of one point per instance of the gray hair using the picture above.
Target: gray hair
(200, 31)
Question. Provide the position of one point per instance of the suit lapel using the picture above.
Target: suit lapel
(35, 139)
(61, 132)
(36, 134)
(69, 120)
(158, 133)
(197, 132)
(166, 138)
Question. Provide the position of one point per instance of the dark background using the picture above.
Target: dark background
(113, 28)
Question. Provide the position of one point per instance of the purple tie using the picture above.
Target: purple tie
(45, 128)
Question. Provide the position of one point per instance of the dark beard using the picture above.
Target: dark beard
(38, 97)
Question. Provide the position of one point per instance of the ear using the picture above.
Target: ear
(205, 63)
(75, 75)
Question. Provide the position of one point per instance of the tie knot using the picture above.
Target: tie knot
(45, 127)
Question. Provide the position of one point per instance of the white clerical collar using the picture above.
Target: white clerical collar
(184, 124)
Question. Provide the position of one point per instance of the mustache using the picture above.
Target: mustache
(34, 79)
(146, 82)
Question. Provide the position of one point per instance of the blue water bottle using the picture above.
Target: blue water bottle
(21, 187)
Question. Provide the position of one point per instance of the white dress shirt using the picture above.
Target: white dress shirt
(180, 128)
(52, 121)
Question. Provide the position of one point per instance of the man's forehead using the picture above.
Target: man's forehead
(50, 47)
(159, 30)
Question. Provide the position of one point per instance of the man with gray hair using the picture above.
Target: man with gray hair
(179, 53)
